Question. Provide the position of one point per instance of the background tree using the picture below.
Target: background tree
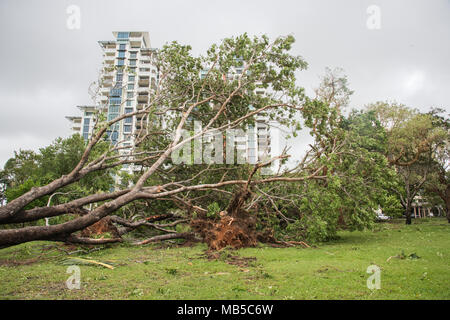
(350, 152)
(438, 183)
(412, 139)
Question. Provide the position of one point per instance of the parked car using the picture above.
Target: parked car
(381, 216)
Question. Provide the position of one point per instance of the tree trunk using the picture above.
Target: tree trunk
(447, 203)
(408, 213)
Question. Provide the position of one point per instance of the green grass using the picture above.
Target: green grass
(334, 270)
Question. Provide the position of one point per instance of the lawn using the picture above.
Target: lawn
(414, 262)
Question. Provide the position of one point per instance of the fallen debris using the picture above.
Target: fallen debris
(81, 261)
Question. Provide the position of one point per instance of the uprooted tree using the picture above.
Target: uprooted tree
(225, 203)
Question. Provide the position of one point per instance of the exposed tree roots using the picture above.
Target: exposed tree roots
(105, 225)
(236, 227)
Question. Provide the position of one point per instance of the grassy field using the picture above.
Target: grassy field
(414, 262)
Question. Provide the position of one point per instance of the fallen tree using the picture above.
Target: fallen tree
(165, 193)
(223, 99)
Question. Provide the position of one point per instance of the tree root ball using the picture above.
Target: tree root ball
(105, 225)
(230, 231)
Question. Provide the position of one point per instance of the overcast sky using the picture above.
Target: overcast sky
(46, 68)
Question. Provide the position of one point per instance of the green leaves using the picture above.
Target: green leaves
(30, 169)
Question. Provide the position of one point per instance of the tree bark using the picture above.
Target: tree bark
(447, 203)
(11, 237)
(184, 235)
(408, 213)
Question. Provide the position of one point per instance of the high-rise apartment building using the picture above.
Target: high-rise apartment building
(128, 77)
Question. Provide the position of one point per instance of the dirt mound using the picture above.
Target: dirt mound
(105, 225)
(236, 228)
(228, 231)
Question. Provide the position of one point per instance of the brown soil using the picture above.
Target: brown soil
(228, 231)
(236, 228)
(103, 226)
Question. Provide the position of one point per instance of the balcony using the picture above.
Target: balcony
(135, 42)
(108, 60)
(110, 50)
(107, 75)
(107, 83)
(142, 98)
(141, 122)
(144, 81)
(105, 91)
(144, 71)
(142, 90)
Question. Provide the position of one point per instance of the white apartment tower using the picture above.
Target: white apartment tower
(128, 77)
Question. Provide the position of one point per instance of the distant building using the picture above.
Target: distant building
(83, 124)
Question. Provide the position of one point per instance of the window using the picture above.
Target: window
(123, 35)
(122, 46)
(131, 78)
(129, 102)
(128, 110)
(127, 128)
(130, 86)
(115, 126)
(114, 136)
(121, 62)
(129, 120)
(114, 101)
(119, 77)
(88, 114)
(121, 54)
(132, 62)
(133, 55)
(112, 116)
(113, 109)
(130, 95)
(115, 92)
(86, 128)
